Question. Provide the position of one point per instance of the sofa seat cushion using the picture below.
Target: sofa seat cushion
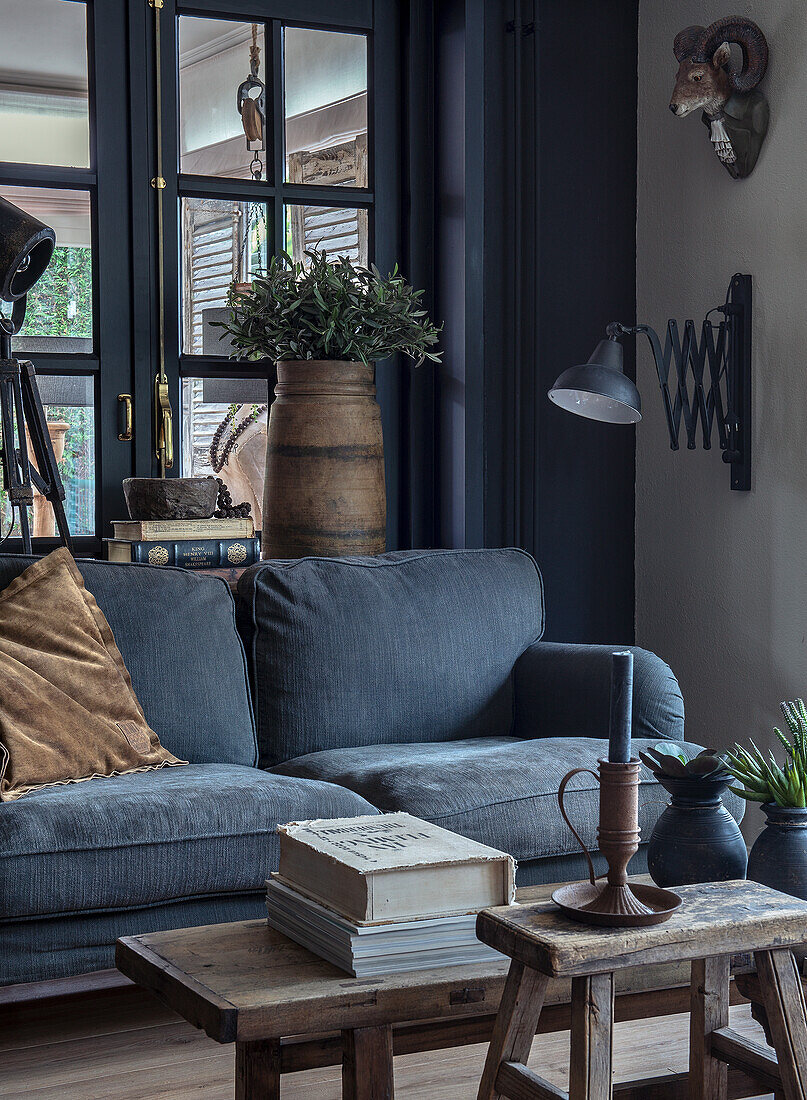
(502, 791)
(410, 646)
(149, 837)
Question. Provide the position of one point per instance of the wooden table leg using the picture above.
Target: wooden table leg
(709, 1010)
(514, 1030)
(783, 997)
(367, 1064)
(591, 1041)
(257, 1070)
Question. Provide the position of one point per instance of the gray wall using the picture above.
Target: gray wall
(721, 582)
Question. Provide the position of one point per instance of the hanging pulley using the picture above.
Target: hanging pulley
(251, 103)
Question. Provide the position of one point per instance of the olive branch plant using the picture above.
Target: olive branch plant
(323, 308)
(763, 780)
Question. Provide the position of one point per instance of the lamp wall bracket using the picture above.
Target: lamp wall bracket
(719, 394)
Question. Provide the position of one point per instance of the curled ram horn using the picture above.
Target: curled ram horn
(686, 42)
(751, 41)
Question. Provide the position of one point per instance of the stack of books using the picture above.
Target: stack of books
(189, 543)
(380, 895)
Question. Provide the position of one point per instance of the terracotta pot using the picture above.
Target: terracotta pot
(324, 491)
(44, 521)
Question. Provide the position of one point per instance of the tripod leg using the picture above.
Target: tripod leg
(25, 530)
(61, 523)
(16, 484)
(44, 458)
(23, 465)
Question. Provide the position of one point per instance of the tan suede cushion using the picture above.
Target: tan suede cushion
(67, 708)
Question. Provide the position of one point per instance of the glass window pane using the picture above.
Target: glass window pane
(70, 413)
(44, 115)
(221, 64)
(59, 315)
(229, 416)
(325, 96)
(341, 230)
(223, 241)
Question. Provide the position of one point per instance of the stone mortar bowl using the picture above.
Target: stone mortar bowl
(170, 497)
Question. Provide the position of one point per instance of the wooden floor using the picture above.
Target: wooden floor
(123, 1045)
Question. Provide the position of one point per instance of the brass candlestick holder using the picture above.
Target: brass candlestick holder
(616, 902)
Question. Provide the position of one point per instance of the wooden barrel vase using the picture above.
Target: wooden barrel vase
(324, 492)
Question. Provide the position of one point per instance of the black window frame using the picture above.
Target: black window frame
(106, 181)
(123, 163)
(378, 22)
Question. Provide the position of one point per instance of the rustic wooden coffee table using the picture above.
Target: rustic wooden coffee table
(288, 1010)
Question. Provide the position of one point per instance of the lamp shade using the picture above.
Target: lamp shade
(599, 389)
(26, 246)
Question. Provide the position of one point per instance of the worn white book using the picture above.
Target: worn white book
(372, 950)
(177, 530)
(392, 867)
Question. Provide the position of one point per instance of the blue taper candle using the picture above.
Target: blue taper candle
(621, 708)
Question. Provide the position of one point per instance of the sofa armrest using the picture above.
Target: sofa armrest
(565, 690)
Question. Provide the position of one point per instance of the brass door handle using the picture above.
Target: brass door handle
(164, 425)
(125, 417)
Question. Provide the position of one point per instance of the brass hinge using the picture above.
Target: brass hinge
(158, 183)
(155, 3)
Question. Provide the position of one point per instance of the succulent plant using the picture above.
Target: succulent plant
(670, 759)
(763, 780)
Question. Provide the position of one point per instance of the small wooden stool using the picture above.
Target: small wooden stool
(716, 921)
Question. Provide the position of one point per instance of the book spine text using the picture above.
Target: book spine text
(197, 553)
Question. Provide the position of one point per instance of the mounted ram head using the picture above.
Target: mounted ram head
(735, 112)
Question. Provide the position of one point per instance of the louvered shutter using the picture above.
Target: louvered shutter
(212, 242)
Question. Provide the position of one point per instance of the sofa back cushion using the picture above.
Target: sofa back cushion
(413, 646)
(176, 633)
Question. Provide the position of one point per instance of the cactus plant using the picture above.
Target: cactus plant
(763, 780)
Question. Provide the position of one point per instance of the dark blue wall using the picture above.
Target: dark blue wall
(535, 227)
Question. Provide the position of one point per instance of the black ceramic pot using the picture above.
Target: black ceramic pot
(779, 855)
(696, 839)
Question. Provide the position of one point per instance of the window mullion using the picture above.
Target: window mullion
(278, 128)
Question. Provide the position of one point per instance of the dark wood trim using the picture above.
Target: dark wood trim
(98, 982)
(354, 14)
(418, 260)
(386, 235)
(142, 168)
(48, 175)
(483, 27)
(112, 226)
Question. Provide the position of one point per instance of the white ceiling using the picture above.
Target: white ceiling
(43, 43)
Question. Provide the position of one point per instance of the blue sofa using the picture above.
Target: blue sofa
(414, 681)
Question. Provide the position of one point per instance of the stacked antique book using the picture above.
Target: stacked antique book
(189, 543)
(379, 895)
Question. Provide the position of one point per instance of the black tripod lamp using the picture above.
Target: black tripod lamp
(26, 246)
(711, 385)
